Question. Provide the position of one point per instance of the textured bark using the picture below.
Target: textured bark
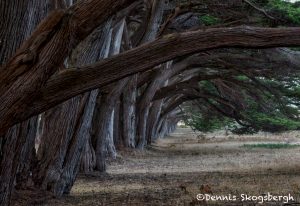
(88, 159)
(170, 104)
(57, 138)
(67, 127)
(72, 160)
(129, 112)
(17, 145)
(104, 137)
(59, 155)
(153, 119)
(104, 132)
(117, 125)
(167, 124)
(26, 15)
(163, 128)
(110, 144)
(59, 88)
(144, 103)
(153, 24)
(125, 120)
(28, 156)
(16, 153)
(45, 51)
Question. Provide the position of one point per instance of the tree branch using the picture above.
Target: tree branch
(72, 82)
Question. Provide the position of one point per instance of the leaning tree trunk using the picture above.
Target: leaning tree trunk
(67, 127)
(104, 127)
(17, 146)
(117, 125)
(16, 153)
(28, 155)
(129, 111)
(41, 55)
(88, 159)
(153, 119)
(56, 138)
(164, 128)
(145, 100)
(104, 131)
(144, 105)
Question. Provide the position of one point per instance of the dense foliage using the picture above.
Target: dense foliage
(272, 110)
(248, 103)
(209, 20)
(286, 10)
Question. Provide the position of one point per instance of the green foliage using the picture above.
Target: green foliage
(238, 129)
(293, 92)
(265, 111)
(273, 117)
(274, 123)
(209, 20)
(242, 78)
(289, 10)
(271, 145)
(208, 123)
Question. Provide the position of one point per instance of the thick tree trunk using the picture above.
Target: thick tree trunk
(111, 149)
(28, 158)
(153, 119)
(168, 124)
(104, 131)
(153, 25)
(18, 145)
(117, 130)
(26, 15)
(145, 101)
(67, 84)
(88, 159)
(58, 135)
(62, 143)
(104, 128)
(101, 131)
(67, 127)
(45, 51)
(17, 151)
(129, 112)
(163, 128)
(169, 107)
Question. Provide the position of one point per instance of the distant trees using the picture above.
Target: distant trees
(94, 77)
(273, 108)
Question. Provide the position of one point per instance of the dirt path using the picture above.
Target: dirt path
(174, 170)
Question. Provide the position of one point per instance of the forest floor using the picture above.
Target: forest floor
(175, 169)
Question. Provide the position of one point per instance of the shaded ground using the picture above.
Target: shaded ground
(174, 170)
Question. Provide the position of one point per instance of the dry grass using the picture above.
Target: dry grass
(175, 169)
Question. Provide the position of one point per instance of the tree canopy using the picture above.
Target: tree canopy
(83, 79)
